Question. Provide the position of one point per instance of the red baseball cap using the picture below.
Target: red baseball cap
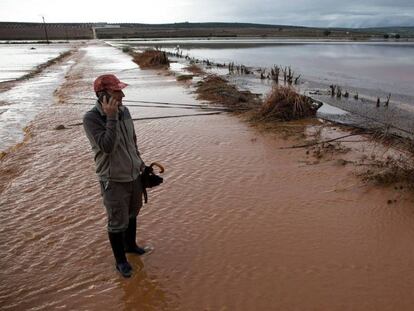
(108, 82)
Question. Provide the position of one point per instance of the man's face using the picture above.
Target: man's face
(117, 95)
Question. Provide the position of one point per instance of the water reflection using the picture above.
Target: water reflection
(146, 291)
(377, 66)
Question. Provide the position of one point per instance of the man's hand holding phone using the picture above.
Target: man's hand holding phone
(110, 107)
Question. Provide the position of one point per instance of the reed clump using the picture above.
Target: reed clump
(151, 59)
(284, 104)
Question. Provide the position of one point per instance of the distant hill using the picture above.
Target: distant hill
(38, 31)
(174, 30)
(206, 25)
(403, 31)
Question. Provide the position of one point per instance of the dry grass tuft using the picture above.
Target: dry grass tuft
(194, 69)
(184, 77)
(285, 104)
(217, 90)
(391, 171)
(151, 59)
(395, 168)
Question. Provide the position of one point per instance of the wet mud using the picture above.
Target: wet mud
(239, 223)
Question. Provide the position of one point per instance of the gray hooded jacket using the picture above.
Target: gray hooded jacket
(113, 142)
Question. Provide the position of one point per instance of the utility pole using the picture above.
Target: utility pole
(44, 25)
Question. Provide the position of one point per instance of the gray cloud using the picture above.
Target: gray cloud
(319, 13)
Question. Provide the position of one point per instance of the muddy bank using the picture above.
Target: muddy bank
(239, 224)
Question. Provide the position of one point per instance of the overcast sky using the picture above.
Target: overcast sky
(323, 13)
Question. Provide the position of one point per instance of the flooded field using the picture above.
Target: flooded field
(374, 67)
(239, 224)
(370, 69)
(17, 60)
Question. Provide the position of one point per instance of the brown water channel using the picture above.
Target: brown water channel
(239, 224)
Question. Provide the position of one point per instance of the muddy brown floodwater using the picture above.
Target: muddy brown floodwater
(239, 224)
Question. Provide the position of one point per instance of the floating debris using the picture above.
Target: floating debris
(333, 89)
(387, 100)
(60, 127)
(338, 92)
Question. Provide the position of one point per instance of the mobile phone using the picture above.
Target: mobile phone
(101, 96)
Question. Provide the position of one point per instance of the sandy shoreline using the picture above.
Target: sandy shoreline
(240, 223)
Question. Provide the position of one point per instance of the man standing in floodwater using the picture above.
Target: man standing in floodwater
(111, 132)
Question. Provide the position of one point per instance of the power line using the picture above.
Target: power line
(44, 25)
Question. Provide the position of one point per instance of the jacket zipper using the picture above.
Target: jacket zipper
(126, 145)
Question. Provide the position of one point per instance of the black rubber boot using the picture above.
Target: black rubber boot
(122, 265)
(130, 236)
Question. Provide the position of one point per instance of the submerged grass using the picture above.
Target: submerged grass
(394, 168)
(391, 172)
